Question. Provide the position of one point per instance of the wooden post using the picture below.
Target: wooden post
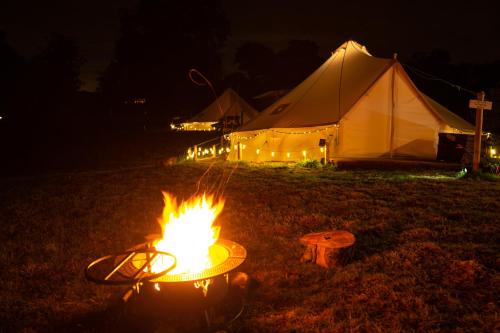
(214, 152)
(195, 152)
(479, 133)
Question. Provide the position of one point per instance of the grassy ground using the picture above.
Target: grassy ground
(426, 259)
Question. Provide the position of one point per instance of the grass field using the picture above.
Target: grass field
(426, 257)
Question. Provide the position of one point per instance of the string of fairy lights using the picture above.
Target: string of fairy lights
(262, 151)
(304, 153)
(253, 136)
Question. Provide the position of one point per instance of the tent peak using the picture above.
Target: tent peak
(352, 44)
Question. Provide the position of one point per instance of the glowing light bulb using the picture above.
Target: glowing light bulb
(288, 155)
(228, 150)
(321, 149)
(272, 154)
(258, 151)
(304, 153)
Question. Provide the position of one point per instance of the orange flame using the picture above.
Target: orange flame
(188, 232)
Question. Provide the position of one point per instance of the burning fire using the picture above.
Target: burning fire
(188, 233)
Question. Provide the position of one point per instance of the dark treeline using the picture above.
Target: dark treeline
(38, 92)
(160, 41)
(44, 113)
(453, 85)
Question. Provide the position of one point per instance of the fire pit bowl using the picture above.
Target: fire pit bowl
(225, 256)
(192, 290)
(181, 290)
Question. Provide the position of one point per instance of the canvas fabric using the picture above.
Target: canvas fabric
(361, 106)
(228, 104)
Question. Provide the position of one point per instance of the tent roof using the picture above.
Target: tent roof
(449, 117)
(227, 104)
(328, 93)
(332, 90)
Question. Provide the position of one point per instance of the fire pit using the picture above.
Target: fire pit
(224, 255)
(184, 270)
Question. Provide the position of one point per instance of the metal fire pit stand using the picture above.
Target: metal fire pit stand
(133, 268)
(108, 270)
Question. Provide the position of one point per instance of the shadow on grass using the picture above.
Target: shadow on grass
(375, 240)
(132, 317)
(114, 318)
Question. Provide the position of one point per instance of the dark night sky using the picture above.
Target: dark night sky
(467, 29)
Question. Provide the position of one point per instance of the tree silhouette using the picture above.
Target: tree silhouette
(296, 62)
(256, 63)
(12, 69)
(261, 69)
(160, 42)
(447, 78)
(51, 83)
(256, 60)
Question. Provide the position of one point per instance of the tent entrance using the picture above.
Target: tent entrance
(455, 148)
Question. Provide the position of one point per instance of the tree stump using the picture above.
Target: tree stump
(328, 248)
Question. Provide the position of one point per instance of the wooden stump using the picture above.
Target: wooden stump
(328, 248)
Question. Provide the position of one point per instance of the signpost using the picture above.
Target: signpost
(479, 104)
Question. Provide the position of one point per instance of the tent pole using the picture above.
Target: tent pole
(393, 105)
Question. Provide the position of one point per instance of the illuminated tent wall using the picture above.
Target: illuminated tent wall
(362, 106)
(227, 106)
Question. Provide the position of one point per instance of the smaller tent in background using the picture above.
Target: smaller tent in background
(229, 110)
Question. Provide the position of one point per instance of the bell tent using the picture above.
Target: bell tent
(353, 106)
(229, 108)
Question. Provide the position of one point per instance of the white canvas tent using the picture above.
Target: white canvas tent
(359, 105)
(229, 105)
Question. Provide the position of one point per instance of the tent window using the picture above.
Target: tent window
(279, 108)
